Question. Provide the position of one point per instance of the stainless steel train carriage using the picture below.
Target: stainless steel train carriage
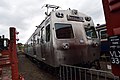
(64, 37)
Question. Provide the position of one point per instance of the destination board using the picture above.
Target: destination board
(114, 49)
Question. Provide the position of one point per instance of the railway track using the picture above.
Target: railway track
(68, 72)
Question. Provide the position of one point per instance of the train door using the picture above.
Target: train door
(48, 44)
(30, 47)
(38, 49)
(34, 45)
(43, 43)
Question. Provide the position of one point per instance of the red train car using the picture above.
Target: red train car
(8, 58)
(112, 16)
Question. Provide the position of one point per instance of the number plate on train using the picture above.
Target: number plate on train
(114, 49)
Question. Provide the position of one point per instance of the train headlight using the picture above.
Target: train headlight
(87, 18)
(81, 41)
(59, 15)
(95, 44)
(65, 45)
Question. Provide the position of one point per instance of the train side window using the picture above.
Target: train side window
(35, 39)
(31, 42)
(39, 33)
(42, 35)
(38, 37)
(90, 32)
(48, 33)
(103, 34)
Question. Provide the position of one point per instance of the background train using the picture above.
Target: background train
(103, 36)
(64, 37)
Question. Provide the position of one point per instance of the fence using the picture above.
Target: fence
(68, 72)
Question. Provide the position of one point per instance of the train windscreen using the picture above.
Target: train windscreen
(90, 32)
(63, 31)
(103, 34)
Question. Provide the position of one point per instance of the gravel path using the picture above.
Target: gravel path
(30, 71)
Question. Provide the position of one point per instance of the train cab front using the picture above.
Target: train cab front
(65, 44)
(74, 42)
(76, 46)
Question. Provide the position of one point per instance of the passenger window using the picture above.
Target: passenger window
(37, 41)
(42, 35)
(32, 41)
(38, 37)
(48, 33)
(39, 33)
(31, 44)
(103, 34)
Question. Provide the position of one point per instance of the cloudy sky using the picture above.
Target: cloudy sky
(26, 14)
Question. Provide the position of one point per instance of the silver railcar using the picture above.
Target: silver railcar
(64, 37)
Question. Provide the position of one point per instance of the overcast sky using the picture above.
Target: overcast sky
(26, 14)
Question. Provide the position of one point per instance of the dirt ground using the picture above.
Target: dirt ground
(30, 71)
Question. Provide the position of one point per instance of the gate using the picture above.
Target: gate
(68, 72)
